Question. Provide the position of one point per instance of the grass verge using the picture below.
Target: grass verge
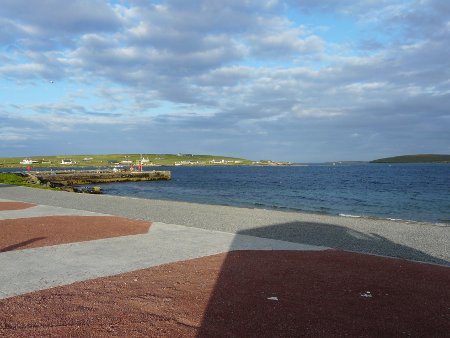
(15, 179)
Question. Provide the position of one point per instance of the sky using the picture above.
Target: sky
(293, 80)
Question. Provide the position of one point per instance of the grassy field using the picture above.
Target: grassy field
(112, 159)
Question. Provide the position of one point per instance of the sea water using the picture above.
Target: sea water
(418, 192)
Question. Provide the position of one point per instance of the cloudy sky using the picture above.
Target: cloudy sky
(295, 80)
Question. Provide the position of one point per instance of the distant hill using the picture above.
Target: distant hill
(425, 158)
(124, 159)
(109, 160)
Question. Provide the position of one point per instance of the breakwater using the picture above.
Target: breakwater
(73, 178)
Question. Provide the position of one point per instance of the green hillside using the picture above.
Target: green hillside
(126, 159)
(422, 158)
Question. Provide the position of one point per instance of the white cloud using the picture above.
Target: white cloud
(9, 134)
(73, 17)
(241, 67)
(315, 112)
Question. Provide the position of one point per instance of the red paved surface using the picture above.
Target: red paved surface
(319, 294)
(325, 294)
(15, 205)
(24, 233)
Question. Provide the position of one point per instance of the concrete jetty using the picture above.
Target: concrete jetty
(71, 178)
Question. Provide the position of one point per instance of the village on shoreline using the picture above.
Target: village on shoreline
(127, 160)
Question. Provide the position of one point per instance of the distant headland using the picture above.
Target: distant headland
(421, 158)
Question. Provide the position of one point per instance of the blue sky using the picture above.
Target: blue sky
(292, 80)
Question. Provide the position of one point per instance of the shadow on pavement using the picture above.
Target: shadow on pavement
(21, 244)
(330, 292)
(338, 237)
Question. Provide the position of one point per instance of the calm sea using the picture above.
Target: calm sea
(419, 192)
(410, 192)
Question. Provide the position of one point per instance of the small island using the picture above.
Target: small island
(420, 158)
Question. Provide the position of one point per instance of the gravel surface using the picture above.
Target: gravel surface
(410, 240)
(244, 294)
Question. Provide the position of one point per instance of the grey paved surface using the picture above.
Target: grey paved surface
(44, 210)
(41, 268)
(34, 269)
(417, 241)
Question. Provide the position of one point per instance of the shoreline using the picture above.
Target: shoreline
(424, 242)
(439, 223)
(300, 212)
(383, 202)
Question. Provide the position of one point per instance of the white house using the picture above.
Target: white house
(28, 161)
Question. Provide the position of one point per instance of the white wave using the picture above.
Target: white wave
(347, 215)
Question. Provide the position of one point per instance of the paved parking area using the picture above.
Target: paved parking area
(68, 272)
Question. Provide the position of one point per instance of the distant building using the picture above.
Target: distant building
(67, 162)
(187, 163)
(222, 161)
(28, 161)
